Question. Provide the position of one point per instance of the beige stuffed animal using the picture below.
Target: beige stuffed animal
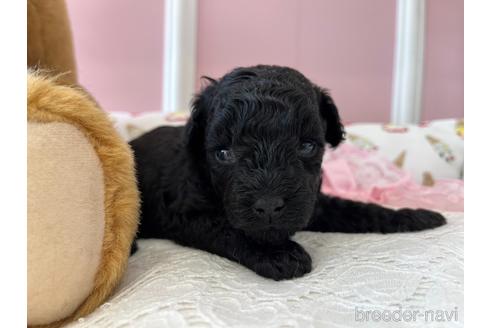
(83, 202)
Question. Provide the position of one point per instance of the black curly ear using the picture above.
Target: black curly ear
(334, 133)
(195, 128)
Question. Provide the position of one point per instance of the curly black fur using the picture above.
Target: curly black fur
(244, 174)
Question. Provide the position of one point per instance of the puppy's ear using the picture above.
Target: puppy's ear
(334, 133)
(195, 128)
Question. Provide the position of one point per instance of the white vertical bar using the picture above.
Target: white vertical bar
(179, 54)
(408, 67)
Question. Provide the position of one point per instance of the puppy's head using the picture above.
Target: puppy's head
(259, 134)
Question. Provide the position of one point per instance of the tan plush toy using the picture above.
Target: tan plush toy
(49, 38)
(83, 202)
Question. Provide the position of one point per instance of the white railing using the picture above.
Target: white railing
(179, 54)
(406, 104)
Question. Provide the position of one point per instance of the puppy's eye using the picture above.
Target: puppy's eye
(307, 149)
(225, 156)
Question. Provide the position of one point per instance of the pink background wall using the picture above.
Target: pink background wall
(118, 48)
(343, 45)
(444, 56)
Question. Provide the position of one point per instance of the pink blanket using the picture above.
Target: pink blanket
(350, 172)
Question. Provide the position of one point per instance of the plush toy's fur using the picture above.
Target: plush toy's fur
(244, 174)
(49, 39)
(49, 102)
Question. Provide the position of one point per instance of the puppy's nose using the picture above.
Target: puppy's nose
(269, 207)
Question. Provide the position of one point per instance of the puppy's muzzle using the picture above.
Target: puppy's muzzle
(269, 208)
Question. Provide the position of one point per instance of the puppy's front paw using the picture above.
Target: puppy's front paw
(287, 261)
(415, 220)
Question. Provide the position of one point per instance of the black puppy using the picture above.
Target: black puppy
(244, 174)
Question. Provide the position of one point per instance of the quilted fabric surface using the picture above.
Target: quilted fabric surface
(411, 279)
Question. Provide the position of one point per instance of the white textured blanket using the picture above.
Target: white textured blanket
(358, 280)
